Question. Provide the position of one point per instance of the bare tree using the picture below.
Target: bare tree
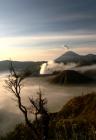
(14, 84)
(40, 108)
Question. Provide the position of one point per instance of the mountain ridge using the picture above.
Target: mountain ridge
(34, 67)
(72, 57)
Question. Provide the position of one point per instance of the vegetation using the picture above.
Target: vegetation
(80, 107)
(14, 84)
(75, 121)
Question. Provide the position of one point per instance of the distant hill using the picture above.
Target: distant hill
(70, 77)
(91, 73)
(72, 57)
(34, 67)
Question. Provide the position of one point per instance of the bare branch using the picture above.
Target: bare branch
(14, 84)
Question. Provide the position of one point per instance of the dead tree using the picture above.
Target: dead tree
(14, 84)
(40, 109)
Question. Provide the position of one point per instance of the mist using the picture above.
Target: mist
(85, 68)
(56, 95)
(52, 66)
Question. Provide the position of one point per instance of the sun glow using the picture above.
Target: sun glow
(5, 41)
(28, 47)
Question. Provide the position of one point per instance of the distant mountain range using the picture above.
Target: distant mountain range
(72, 57)
(34, 67)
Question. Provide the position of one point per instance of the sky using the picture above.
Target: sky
(39, 29)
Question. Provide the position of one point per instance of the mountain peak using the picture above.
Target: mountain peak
(70, 53)
(72, 57)
(69, 56)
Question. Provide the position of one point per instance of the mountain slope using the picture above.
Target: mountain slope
(75, 121)
(72, 57)
(68, 57)
(80, 107)
(70, 77)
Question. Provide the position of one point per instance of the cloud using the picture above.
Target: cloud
(85, 50)
(19, 40)
(51, 46)
(51, 66)
(21, 17)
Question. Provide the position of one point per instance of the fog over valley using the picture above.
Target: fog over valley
(56, 95)
(47, 69)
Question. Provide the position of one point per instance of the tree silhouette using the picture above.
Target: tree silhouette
(40, 108)
(14, 84)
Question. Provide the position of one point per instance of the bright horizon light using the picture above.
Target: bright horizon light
(22, 48)
(38, 30)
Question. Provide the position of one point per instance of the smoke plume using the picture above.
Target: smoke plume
(52, 66)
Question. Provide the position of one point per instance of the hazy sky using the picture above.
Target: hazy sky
(39, 29)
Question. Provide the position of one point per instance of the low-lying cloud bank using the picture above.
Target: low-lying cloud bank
(52, 66)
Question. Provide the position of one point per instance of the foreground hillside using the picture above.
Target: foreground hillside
(75, 121)
(80, 107)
